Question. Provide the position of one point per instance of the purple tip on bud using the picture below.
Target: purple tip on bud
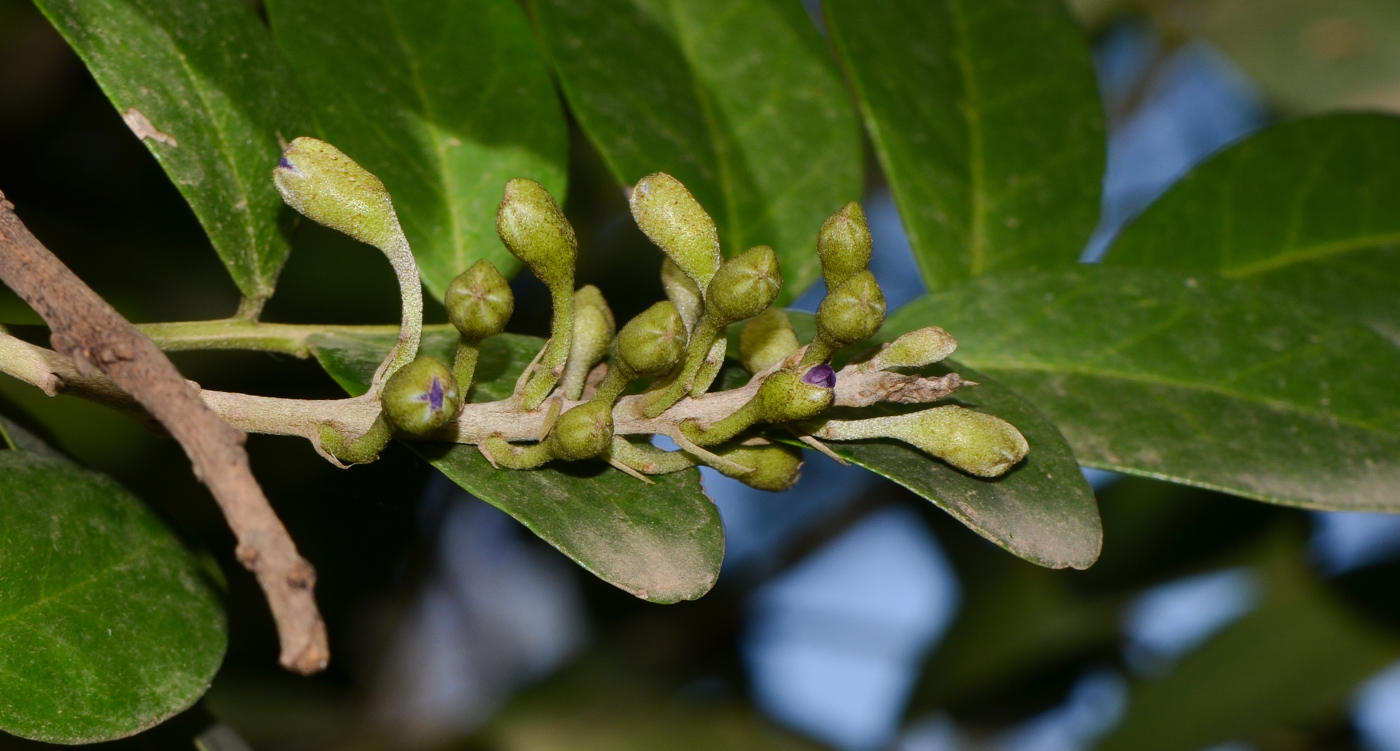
(821, 375)
(284, 164)
(433, 397)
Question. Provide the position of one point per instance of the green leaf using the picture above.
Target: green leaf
(1292, 664)
(1191, 379)
(213, 99)
(106, 624)
(738, 99)
(1307, 207)
(986, 119)
(444, 101)
(662, 542)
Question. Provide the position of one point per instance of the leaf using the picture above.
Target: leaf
(1294, 663)
(986, 119)
(662, 542)
(738, 99)
(106, 625)
(210, 95)
(1191, 379)
(1307, 207)
(444, 101)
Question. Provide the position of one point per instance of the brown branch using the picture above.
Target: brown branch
(97, 338)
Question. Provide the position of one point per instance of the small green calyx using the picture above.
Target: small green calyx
(851, 313)
(593, 332)
(766, 340)
(330, 188)
(844, 245)
(652, 342)
(479, 302)
(584, 432)
(744, 286)
(775, 467)
(913, 350)
(421, 397)
(671, 217)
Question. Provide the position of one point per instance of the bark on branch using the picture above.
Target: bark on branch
(97, 338)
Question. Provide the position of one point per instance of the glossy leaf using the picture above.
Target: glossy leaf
(1308, 207)
(1192, 379)
(738, 99)
(444, 101)
(106, 624)
(210, 95)
(986, 118)
(1293, 663)
(661, 542)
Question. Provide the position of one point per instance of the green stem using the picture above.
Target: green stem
(464, 364)
(556, 351)
(238, 334)
(704, 335)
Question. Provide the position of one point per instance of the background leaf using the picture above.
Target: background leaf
(662, 542)
(213, 99)
(1196, 380)
(986, 118)
(444, 101)
(106, 624)
(1308, 207)
(738, 99)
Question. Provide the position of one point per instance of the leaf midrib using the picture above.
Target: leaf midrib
(45, 599)
(1310, 253)
(977, 168)
(993, 365)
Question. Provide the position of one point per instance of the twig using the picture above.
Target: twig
(97, 338)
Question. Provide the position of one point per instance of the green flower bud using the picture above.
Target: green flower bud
(593, 332)
(330, 188)
(479, 302)
(584, 432)
(766, 340)
(974, 442)
(671, 217)
(913, 350)
(784, 396)
(844, 245)
(534, 229)
(681, 290)
(420, 397)
(851, 313)
(652, 342)
(776, 467)
(744, 286)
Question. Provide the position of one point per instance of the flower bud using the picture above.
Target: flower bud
(776, 467)
(671, 217)
(681, 290)
(844, 245)
(534, 229)
(479, 302)
(974, 442)
(330, 188)
(593, 332)
(786, 396)
(584, 432)
(766, 340)
(913, 350)
(745, 285)
(652, 342)
(421, 396)
(853, 311)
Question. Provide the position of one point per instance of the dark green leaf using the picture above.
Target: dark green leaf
(661, 542)
(444, 101)
(1196, 380)
(1293, 663)
(106, 625)
(213, 99)
(1307, 207)
(987, 123)
(738, 99)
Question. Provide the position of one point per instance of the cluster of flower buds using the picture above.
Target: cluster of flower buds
(672, 352)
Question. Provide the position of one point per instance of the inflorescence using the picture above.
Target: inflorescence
(671, 353)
